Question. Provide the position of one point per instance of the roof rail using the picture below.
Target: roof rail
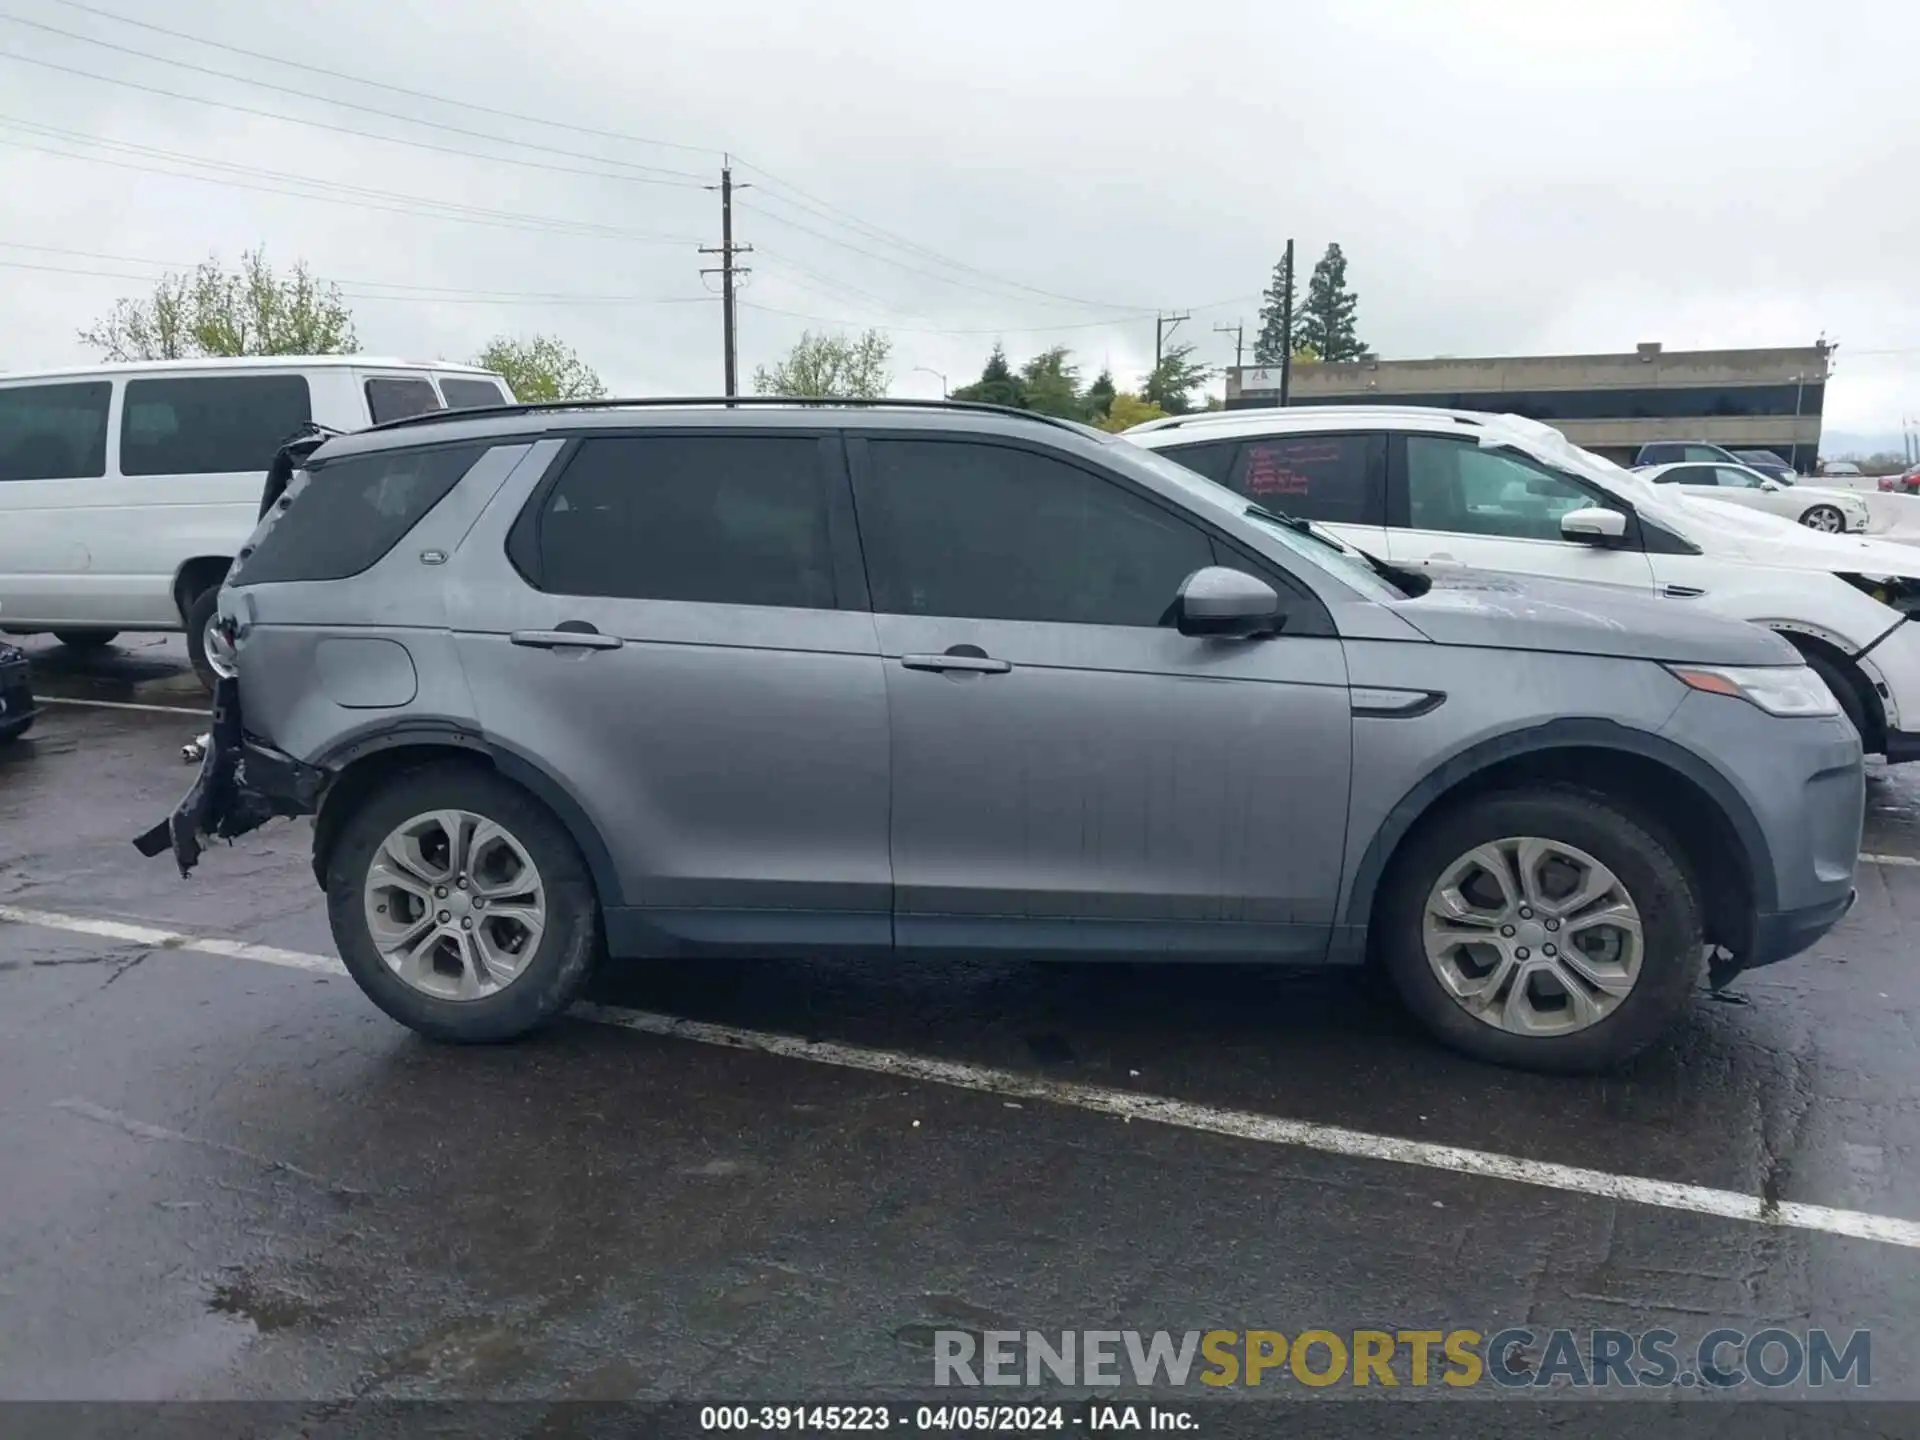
(729, 402)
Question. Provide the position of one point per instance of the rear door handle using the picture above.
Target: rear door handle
(566, 640)
(979, 664)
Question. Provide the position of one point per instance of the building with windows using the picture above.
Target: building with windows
(1611, 404)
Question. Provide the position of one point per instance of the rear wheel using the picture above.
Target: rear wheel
(461, 905)
(203, 646)
(1544, 929)
(86, 639)
(1825, 518)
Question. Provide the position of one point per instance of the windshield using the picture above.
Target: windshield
(1308, 541)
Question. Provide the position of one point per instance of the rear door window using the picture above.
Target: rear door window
(395, 398)
(210, 424)
(54, 432)
(352, 511)
(1213, 459)
(1339, 479)
(713, 519)
(470, 394)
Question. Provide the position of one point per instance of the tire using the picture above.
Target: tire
(1644, 863)
(199, 616)
(1844, 690)
(86, 639)
(566, 948)
(1825, 518)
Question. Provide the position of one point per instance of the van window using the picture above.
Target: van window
(389, 398)
(54, 432)
(471, 394)
(351, 512)
(210, 425)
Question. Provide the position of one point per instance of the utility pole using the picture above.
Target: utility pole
(727, 271)
(1163, 326)
(1286, 331)
(1239, 333)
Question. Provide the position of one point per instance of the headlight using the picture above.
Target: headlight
(1777, 689)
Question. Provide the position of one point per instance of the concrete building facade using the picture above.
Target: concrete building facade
(1612, 404)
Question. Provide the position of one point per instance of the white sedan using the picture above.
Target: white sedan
(1818, 507)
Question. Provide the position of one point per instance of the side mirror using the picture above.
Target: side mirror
(1219, 601)
(1595, 525)
(1771, 485)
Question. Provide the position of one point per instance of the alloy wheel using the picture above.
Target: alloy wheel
(1533, 936)
(455, 905)
(1825, 519)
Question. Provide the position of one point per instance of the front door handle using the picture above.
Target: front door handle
(566, 640)
(976, 664)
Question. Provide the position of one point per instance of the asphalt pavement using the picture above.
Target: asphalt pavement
(227, 1176)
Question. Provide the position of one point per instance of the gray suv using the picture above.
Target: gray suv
(657, 678)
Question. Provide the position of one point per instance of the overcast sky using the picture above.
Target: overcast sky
(1505, 176)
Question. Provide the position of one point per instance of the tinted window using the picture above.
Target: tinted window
(1688, 475)
(471, 394)
(389, 399)
(54, 432)
(1460, 487)
(1732, 479)
(1317, 477)
(346, 515)
(720, 519)
(216, 424)
(1213, 459)
(995, 533)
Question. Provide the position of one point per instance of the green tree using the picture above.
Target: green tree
(1174, 379)
(1129, 410)
(997, 385)
(541, 369)
(1100, 396)
(1327, 318)
(1052, 385)
(1270, 344)
(830, 366)
(216, 311)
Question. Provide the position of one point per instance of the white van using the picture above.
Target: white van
(125, 489)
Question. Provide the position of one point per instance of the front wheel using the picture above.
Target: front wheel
(1543, 929)
(1827, 519)
(462, 906)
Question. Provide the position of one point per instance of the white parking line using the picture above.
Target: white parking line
(1103, 1100)
(120, 705)
(1890, 860)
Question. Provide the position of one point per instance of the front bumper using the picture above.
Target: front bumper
(241, 786)
(1785, 933)
(16, 693)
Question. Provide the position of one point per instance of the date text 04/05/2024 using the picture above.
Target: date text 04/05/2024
(978, 1419)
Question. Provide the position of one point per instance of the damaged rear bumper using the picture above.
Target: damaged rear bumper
(241, 785)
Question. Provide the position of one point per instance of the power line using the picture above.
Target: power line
(361, 197)
(352, 289)
(306, 68)
(834, 214)
(344, 104)
(540, 165)
(935, 330)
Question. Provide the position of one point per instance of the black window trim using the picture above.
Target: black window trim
(1307, 614)
(1400, 512)
(524, 550)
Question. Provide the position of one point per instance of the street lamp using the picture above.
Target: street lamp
(936, 375)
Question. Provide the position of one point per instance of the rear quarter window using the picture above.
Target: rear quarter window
(396, 398)
(471, 394)
(351, 512)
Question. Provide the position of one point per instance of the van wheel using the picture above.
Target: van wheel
(86, 639)
(200, 617)
(1543, 929)
(461, 905)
